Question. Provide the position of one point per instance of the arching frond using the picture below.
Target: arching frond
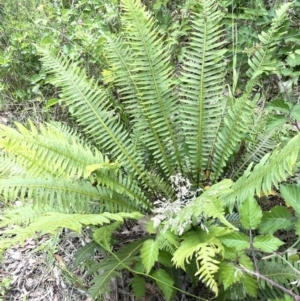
(88, 104)
(49, 222)
(48, 151)
(272, 169)
(72, 195)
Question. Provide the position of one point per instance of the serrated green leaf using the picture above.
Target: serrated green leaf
(291, 194)
(149, 254)
(245, 261)
(267, 243)
(250, 285)
(250, 213)
(275, 121)
(165, 258)
(138, 286)
(280, 105)
(277, 218)
(164, 281)
(228, 274)
(103, 235)
(236, 240)
(293, 60)
(295, 113)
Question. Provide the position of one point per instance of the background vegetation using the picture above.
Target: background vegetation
(260, 261)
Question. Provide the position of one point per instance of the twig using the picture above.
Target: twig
(258, 275)
(252, 251)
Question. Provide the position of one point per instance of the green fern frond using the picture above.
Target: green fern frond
(88, 104)
(79, 195)
(272, 169)
(49, 151)
(261, 60)
(208, 265)
(154, 97)
(233, 132)
(153, 109)
(202, 85)
(59, 154)
(24, 214)
(255, 150)
(50, 222)
(280, 270)
(236, 121)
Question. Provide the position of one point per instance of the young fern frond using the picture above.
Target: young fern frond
(205, 246)
(202, 86)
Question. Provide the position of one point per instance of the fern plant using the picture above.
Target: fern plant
(161, 136)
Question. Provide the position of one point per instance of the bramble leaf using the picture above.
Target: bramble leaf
(228, 274)
(267, 243)
(277, 218)
(250, 285)
(149, 254)
(236, 240)
(250, 213)
(164, 281)
(139, 286)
